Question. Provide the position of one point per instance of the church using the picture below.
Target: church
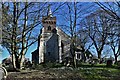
(53, 43)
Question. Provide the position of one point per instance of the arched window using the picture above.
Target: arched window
(54, 31)
(49, 28)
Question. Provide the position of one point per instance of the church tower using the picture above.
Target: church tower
(48, 42)
(49, 22)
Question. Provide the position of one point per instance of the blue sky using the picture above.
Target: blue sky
(5, 53)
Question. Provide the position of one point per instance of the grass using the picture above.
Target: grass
(100, 73)
(84, 72)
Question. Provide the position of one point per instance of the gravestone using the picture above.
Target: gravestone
(3, 73)
(109, 63)
(94, 60)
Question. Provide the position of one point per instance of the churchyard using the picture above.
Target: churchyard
(67, 41)
(57, 71)
(93, 69)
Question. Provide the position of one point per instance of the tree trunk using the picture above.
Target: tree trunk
(22, 57)
(17, 62)
(22, 60)
(75, 65)
(14, 61)
(72, 51)
(99, 55)
(115, 59)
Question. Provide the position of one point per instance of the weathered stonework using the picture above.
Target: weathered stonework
(53, 43)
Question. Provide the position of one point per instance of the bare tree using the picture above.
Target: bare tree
(114, 40)
(111, 8)
(19, 27)
(72, 13)
(98, 26)
(84, 41)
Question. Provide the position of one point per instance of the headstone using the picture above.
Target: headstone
(109, 63)
(3, 73)
(94, 60)
(68, 64)
(9, 67)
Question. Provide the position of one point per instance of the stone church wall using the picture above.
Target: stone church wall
(52, 49)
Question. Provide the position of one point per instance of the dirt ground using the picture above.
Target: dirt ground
(45, 74)
(65, 73)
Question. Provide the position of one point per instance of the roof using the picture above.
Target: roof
(35, 51)
(63, 35)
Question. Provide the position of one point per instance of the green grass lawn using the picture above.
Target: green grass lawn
(84, 72)
(99, 72)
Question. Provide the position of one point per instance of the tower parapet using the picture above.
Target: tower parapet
(49, 23)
